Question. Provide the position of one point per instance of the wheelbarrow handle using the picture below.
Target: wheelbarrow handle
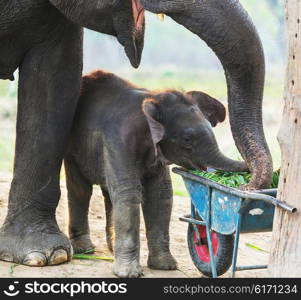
(285, 206)
(274, 201)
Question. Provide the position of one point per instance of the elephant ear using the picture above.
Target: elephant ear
(213, 110)
(151, 111)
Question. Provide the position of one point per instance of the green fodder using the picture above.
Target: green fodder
(233, 179)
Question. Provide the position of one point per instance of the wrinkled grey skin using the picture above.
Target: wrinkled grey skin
(125, 149)
(44, 40)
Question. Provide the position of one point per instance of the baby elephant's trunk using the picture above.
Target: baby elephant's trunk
(221, 162)
(214, 158)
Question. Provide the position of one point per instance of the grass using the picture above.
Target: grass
(8, 89)
(6, 154)
(3, 88)
(256, 247)
(12, 269)
(178, 186)
(210, 82)
(92, 257)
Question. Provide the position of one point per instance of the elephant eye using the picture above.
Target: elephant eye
(187, 137)
(187, 141)
(193, 109)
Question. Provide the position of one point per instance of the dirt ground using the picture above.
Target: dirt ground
(102, 269)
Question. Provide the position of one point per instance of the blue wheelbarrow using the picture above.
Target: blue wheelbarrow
(218, 215)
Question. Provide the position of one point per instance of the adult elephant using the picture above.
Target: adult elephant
(44, 40)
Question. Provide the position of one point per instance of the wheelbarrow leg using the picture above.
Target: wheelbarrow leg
(236, 242)
(192, 216)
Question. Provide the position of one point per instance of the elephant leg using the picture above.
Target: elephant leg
(79, 195)
(125, 192)
(110, 232)
(49, 86)
(157, 206)
(127, 239)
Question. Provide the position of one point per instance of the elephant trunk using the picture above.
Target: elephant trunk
(209, 154)
(220, 162)
(227, 29)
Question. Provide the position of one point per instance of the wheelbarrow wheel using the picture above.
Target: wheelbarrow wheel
(222, 250)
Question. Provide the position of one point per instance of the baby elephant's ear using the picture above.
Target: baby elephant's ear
(213, 110)
(150, 110)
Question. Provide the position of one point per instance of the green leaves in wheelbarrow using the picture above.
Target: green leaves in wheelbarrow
(92, 257)
(233, 179)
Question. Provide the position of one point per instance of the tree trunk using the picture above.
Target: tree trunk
(285, 257)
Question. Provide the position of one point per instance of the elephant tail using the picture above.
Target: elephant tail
(110, 232)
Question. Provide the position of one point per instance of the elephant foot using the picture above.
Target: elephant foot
(162, 261)
(34, 243)
(82, 244)
(127, 269)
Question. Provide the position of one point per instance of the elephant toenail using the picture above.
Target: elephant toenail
(35, 259)
(6, 257)
(58, 257)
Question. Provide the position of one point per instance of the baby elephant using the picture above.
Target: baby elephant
(123, 138)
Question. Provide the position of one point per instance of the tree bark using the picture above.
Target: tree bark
(285, 257)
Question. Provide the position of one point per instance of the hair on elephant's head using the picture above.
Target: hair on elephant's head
(181, 126)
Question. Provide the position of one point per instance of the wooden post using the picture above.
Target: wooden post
(285, 257)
